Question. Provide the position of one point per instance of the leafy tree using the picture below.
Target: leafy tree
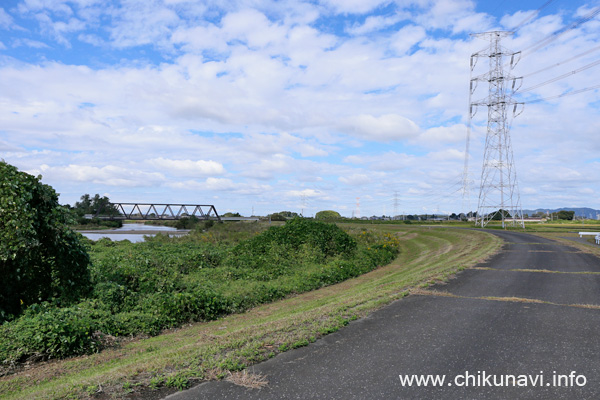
(288, 214)
(40, 257)
(567, 215)
(277, 217)
(328, 215)
(283, 216)
(499, 213)
(94, 205)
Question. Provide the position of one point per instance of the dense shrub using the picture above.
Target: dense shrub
(328, 238)
(328, 215)
(164, 282)
(40, 257)
(46, 331)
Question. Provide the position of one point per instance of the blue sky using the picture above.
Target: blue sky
(289, 105)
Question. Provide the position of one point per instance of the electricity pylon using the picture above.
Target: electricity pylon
(499, 190)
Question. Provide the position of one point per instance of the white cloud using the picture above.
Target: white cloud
(140, 22)
(219, 184)
(60, 29)
(387, 127)
(253, 28)
(189, 167)
(356, 179)
(456, 15)
(5, 147)
(6, 21)
(407, 37)
(586, 191)
(109, 175)
(353, 6)
(445, 134)
(56, 6)
(374, 23)
(91, 39)
(269, 167)
(389, 161)
(231, 98)
(311, 193)
(307, 150)
(199, 38)
(35, 44)
(447, 155)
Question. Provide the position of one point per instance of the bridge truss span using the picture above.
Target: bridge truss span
(157, 211)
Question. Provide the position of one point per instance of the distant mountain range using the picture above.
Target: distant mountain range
(579, 211)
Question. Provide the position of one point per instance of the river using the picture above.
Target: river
(132, 232)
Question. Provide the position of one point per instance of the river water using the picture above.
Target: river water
(132, 232)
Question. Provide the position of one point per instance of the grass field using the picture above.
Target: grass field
(217, 349)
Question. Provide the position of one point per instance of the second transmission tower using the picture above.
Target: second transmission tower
(498, 193)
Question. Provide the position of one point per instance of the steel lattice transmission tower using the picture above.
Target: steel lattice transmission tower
(498, 188)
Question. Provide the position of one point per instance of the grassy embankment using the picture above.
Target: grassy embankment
(212, 350)
(563, 230)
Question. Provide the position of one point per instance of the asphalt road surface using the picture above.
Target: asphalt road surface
(519, 315)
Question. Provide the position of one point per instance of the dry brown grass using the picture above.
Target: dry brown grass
(247, 379)
(590, 306)
(511, 299)
(544, 271)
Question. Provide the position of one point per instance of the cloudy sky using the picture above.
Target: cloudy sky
(272, 105)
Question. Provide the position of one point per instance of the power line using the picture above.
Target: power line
(569, 93)
(588, 66)
(585, 53)
(556, 34)
(531, 16)
(429, 197)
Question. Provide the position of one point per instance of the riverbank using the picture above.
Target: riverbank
(215, 350)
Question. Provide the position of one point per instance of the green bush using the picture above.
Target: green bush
(142, 288)
(328, 215)
(40, 257)
(328, 238)
(46, 331)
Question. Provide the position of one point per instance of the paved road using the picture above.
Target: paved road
(486, 323)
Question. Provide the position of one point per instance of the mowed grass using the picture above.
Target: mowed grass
(551, 226)
(213, 350)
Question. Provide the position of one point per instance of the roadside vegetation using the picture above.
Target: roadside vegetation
(217, 349)
(81, 318)
(165, 282)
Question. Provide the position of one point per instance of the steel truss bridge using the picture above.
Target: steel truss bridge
(156, 211)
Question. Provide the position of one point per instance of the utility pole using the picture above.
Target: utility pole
(499, 191)
(395, 203)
